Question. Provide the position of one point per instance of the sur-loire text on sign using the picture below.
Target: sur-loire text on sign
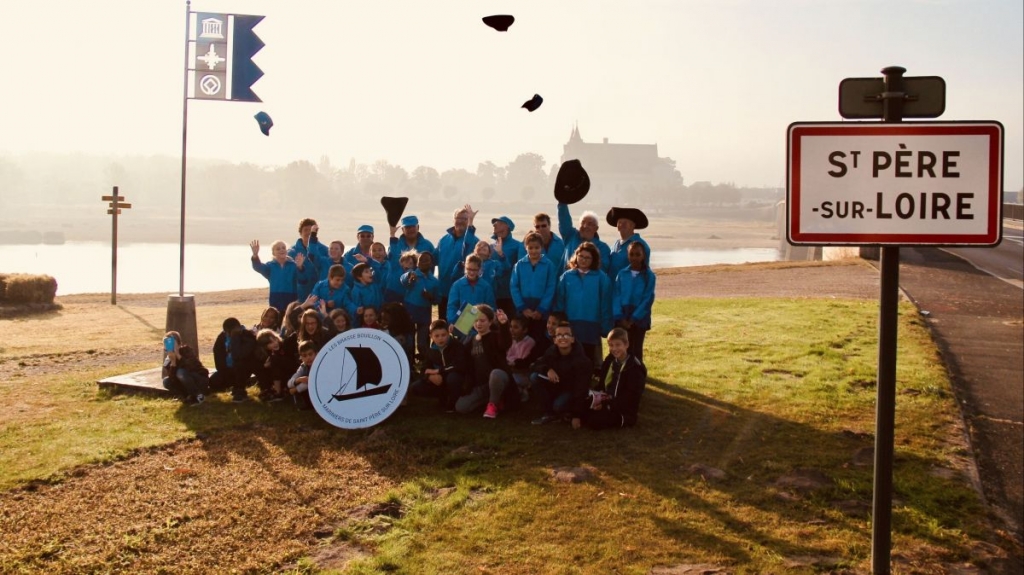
(915, 183)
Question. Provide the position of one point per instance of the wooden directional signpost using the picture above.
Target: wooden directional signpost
(117, 204)
(891, 184)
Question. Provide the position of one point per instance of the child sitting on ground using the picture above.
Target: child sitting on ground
(520, 355)
(443, 368)
(269, 319)
(184, 373)
(370, 318)
(298, 385)
(340, 322)
(274, 367)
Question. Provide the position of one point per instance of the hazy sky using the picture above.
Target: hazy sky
(714, 83)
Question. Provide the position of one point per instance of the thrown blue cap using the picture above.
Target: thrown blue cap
(365, 228)
(410, 221)
(507, 221)
(263, 119)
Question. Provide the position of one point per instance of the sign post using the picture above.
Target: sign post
(891, 184)
(116, 205)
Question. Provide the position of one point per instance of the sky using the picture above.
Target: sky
(714, 83)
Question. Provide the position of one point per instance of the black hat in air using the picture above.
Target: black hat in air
(572, 182)
(499, 22)
(394, 208)
(533, 103)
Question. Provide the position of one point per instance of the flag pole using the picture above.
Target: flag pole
(181, 309)
(184, 143)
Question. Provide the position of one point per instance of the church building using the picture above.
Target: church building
(619, 173)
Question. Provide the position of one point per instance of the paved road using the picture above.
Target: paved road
(978, 321)
(1005, 261)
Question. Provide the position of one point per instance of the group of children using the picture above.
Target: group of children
(499, 308)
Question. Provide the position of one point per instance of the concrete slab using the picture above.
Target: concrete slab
(146, 381)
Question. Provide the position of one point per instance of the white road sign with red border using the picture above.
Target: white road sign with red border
(914, 183)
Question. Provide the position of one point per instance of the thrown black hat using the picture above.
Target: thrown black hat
(499, 22)
(533, 103)
(638, 218)
(394, 208)
(572, 182)
(263, 119)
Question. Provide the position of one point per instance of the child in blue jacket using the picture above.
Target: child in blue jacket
(470, 289)
(632, 298)
(365, 293)
(421, 287)
(282, 272)
(331, 293)
(534, 279)
(585, 295)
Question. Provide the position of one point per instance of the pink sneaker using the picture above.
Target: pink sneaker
(491, 412)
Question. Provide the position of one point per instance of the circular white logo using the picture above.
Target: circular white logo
(359, 378)
(210, 85)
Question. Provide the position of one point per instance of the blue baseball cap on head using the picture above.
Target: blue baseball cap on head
(365, 229)
(507, 221)
(410, 221)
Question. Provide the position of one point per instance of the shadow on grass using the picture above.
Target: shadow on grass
(674, 456)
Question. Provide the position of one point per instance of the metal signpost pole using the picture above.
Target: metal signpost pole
(888, 314)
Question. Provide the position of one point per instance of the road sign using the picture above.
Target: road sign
(120, 205)
(111, 198)
(922, 183)
(111, 212)
(924, 97)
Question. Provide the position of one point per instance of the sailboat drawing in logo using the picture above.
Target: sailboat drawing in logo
(366, 372)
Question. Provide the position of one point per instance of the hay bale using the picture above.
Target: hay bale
(26, 288)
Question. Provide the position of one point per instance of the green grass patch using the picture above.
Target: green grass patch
(742, 395)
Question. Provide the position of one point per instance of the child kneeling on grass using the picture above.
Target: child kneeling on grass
(616, 400)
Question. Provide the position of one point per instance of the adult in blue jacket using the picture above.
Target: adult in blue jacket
(553, 246)
(633, 297)
(315, 254)
(364, 241)
(534, 279)
(411, 240)
(587, 232)
(585, 295)
(510, 250)
(452, 249)
(627, 221)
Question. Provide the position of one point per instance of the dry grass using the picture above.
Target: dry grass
(754, 389)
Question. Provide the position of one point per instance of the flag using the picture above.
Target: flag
(222, 73)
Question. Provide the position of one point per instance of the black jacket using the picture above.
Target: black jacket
(625, 384)
(574, 371)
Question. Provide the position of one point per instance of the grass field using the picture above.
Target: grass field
(752, 455)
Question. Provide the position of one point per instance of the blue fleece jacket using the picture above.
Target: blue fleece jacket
(533, 286)
(416, 301)
(463, 292)
(555, 251)
(365, 295)
(282, 278)
(513, 251)
(587, 299)
(572, 239)
(450, 251)
(620, 253)
(633, 296)
(317, 257)
(332, 298)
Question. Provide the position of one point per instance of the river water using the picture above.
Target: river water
(84, 267)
